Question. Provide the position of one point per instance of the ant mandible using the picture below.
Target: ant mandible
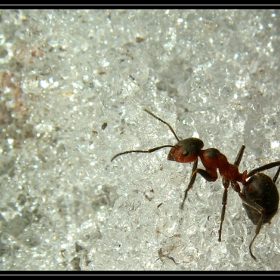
(190, 149)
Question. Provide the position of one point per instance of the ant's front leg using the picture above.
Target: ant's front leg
(206, 175)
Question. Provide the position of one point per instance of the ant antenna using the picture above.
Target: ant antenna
(153, 149)
(170, 127)
(141, 151)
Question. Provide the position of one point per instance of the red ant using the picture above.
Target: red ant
(190, 149)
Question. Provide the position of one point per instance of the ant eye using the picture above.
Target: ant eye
(185, 153)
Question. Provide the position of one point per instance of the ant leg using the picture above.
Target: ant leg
(262, 168)
(141, 151)
(252, 204)
(226, 185)
(239, 156)
(258, 228)
(192, 179)
(224, 203)
(276, 175)
(207, 176)
(246, 200)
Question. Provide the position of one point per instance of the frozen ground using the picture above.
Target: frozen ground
(73, 87)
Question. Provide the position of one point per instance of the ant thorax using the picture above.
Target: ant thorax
(212, 159)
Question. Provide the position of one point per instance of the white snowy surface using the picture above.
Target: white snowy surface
(74, 84)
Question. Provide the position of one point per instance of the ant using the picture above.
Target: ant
(190, 149)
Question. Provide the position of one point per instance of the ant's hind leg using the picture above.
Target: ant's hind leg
(276, 175)
(258, 228)
(239, 156)
(262, 168)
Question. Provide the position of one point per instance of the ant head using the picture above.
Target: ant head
(186, 150)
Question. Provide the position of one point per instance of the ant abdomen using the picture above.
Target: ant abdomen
(261, 189)
(260, 198)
